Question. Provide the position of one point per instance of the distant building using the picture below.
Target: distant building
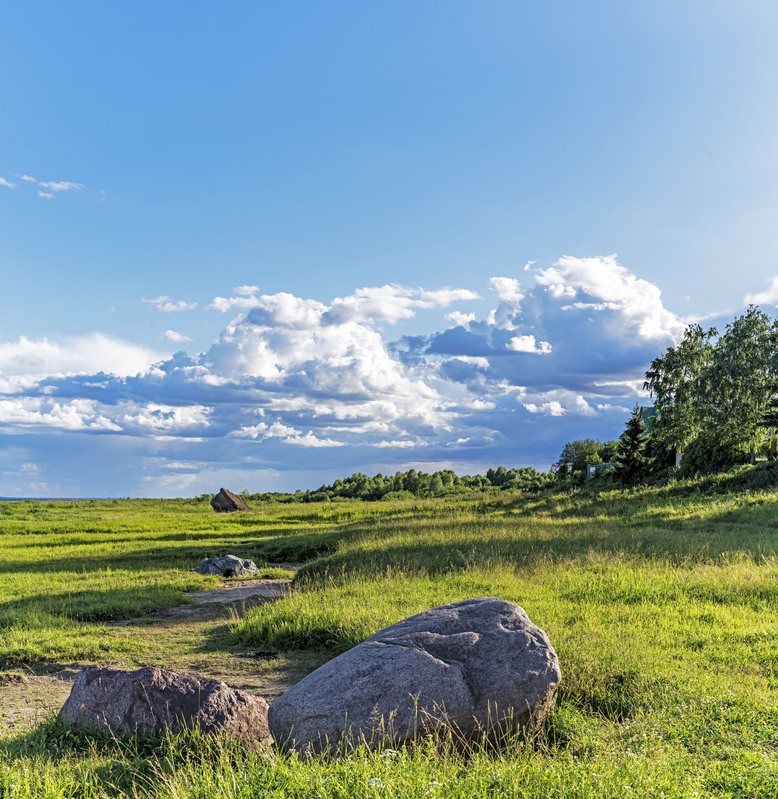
(593, 469)
(649, 414)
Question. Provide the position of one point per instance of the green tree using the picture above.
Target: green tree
(576, 454)
(770, 421)
(737, 384)
(631, 463)
(675, 381)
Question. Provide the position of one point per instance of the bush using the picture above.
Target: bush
(397, 495)
(707, 455)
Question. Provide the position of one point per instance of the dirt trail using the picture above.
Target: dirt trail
(191, 637)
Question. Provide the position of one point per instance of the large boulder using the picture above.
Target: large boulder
(152, 700)
(478, 667)
(227, 566)
(227, 502)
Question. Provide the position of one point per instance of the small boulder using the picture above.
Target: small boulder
(478, 667)
(227, 502)
(152, 700)
(227, 566)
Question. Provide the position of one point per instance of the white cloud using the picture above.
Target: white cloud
(7, 183)
(767, 297)
(528, 344)
(158, 418)
(284, 310)
(48, 188)
(175, 337)
(61, 185)
(76, 415)
(166, 305)
(559, 291)
(89, 354)
(310, 440)
(263, 430)
(508, 289)
(556, 402)
(552, 408)
(510, 297)
(391, 303)
(225, 304)
(443, 297)
(603, 283)
(460, 319)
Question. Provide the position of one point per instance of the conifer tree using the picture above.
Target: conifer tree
(631, 463)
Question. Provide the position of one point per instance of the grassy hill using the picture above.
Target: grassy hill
(662, 605)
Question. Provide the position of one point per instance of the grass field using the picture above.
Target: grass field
(662, 605)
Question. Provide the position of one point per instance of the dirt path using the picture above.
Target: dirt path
(192, 637)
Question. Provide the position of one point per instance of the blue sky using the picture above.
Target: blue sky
(266, 245)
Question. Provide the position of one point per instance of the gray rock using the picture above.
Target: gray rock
(227, 502)
(479, 667)
(152, 700)
(227, 566)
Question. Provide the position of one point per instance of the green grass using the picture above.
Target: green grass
(662, 605)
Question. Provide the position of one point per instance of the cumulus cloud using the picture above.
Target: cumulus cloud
(166, 305)
(592, 320)
(175, 336)
(45, 195)
(33, 359)
(263, 430)
(767, 297)
(602, 283)
(310, 440)
(154, 417)
(226, 304)
(75, 415)
(7, 183)
(552, 408)
(459, 318)
(389, 303)
(508, 289)
(528, 344)
(297, 383)
(510, 296)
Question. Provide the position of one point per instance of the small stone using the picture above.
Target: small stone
(227, 566)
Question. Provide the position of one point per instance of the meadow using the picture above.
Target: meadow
(662, 604)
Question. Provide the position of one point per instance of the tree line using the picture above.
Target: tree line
(413, 483)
